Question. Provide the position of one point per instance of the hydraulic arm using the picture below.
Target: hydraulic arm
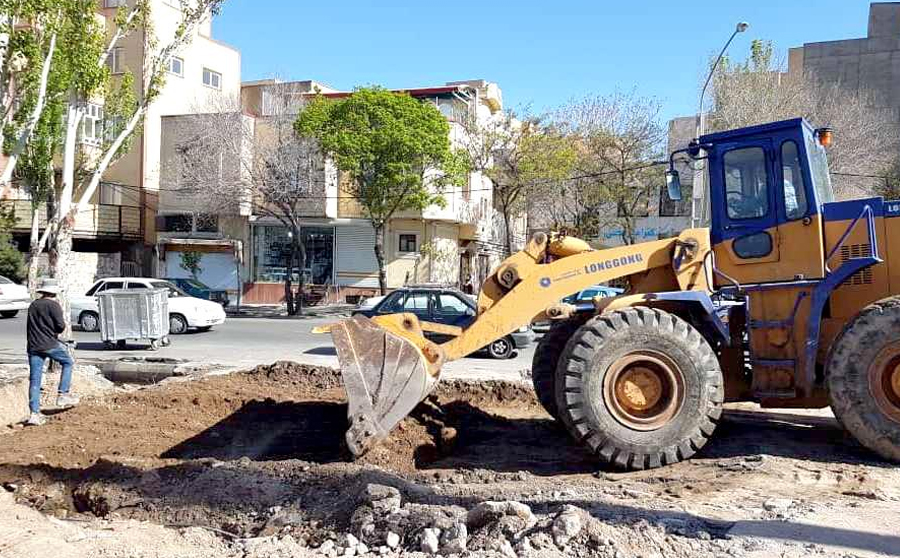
(388, 366)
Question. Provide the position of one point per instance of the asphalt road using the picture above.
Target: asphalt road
(246, 342)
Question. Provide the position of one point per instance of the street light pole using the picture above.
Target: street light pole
(698, 194)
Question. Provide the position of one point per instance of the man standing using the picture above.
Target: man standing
(45, 323)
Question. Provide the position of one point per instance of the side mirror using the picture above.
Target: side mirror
(673, 185)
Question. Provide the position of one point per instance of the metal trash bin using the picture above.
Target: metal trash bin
(134, 314)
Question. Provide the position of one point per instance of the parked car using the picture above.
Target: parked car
(198, 289)
(446, 306)
(185, 311)
(13, 298)
(369, 303)
(582, 296)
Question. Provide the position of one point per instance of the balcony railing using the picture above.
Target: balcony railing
(96, 221)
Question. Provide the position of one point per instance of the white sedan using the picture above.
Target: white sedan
(13, 298)
(185, 311)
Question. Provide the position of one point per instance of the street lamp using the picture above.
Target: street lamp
(696, 217)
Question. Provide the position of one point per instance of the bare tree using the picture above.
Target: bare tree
(619, 138)
(226, 160)
(520, 155)
(757, 90)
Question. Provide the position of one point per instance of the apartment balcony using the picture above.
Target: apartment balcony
(100, 221)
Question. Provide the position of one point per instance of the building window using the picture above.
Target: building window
(272, 249)
(176, 66)
(116, 60)
(212, 79)
(407, 243)
(92, 125)
(114, 3)
(177, 223)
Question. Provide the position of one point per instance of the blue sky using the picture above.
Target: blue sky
(542, 53)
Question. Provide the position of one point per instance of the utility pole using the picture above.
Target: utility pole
(699, 196)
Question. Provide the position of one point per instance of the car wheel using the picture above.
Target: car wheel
(501, 348)
(9, 313)
(177, 324)
(89, 321)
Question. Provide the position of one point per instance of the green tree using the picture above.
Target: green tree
(11, 260)
(395, 149)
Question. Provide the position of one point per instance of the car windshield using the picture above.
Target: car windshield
(173, 290)
(818, 164)
(5, 281)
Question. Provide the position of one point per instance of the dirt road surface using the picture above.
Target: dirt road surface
(253, 464)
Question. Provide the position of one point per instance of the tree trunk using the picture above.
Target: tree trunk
(509, 242)
(65, 272)
(289, 285)
(379, 257)
(34, 250)
(298, 255)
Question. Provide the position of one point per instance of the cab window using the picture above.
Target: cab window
(746, 183)
(795, 204)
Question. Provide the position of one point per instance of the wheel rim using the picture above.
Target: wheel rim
(644, 390)
(89, 322)
(500, 347)
(176, 325)
(884, 381)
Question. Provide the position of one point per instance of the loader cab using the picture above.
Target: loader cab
(767, 187)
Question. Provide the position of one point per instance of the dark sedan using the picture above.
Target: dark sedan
(449, 307)
(198, 289)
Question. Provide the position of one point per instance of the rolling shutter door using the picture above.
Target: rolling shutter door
(355, 258)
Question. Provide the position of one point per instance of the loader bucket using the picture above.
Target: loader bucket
(388, 367)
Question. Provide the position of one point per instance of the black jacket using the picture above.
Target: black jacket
(45, 322)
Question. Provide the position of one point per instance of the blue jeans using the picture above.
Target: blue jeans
(36, 361)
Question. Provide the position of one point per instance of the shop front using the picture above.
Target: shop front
(270, 256)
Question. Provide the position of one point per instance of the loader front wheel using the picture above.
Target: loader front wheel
(863, 378)
(640, 388)
(546, 359)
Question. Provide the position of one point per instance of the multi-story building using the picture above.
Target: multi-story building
(457, 244)
(117, 233)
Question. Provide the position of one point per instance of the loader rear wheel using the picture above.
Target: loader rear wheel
(546, 359)
(640, 388)
(863, 378)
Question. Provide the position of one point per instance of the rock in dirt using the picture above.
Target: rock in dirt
(392, 540)
(567, 525)
(777, 504)
(455, 539)
(489, 512)
(430, 543)
(382, 498)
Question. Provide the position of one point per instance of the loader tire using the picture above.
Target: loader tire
(546, 359)
(863, 377)
(639, 388)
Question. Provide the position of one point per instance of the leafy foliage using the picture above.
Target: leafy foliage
(11, 260)
(392, 146)
(190, 262)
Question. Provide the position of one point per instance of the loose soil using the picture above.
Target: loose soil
(261, 455)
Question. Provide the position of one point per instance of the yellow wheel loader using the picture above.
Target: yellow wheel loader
(786, 299)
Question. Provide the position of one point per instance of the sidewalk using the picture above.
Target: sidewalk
(279, 311)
